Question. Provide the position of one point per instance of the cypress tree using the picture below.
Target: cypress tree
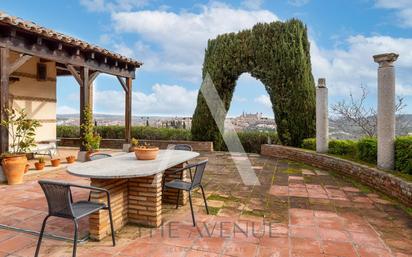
(278, 55)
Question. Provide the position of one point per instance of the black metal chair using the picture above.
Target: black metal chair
(189, 186)
(183, 147)
(60, 203)
(98, 156)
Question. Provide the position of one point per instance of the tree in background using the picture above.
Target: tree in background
(354, 115)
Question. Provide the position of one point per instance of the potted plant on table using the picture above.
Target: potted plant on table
(40, 163)
(133, 144)
(22, 134)
(146, 152)
(91, 138)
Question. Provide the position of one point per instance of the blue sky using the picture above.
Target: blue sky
(169, 37)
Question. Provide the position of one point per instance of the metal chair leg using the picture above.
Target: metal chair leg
(43, 227)
(204, 199)
(177, 200)
(76, 228)
(112, 226)
(191, 208)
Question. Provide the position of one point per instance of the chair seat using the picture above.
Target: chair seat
(84, 208)
(178, 184)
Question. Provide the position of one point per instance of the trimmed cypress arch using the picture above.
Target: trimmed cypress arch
(278, 55)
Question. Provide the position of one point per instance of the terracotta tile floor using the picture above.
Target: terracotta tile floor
(296, 211)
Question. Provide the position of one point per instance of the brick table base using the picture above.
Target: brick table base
(134, 200)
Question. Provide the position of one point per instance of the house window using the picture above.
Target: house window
(41, 71)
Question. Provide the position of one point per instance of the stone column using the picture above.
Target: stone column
(322, 119)
(386, 110)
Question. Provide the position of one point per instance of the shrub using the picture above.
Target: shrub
(309, 143)
(342, 147)
(68, 131)
(251, 140)
(367, 150)
(403, 154)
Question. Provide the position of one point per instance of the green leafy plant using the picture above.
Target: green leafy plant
(134, 142)
(309, 143)
(21, 129)
(403, 154)
(41, 160)
(91, 138)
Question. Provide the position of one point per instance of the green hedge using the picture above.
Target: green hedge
(250, 140)
(403, 154)
(342, 147)
(309, 143)
(366, 150)
(277, 54)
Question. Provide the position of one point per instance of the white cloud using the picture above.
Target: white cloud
(179, 39)
(264, 100)
(163, 100)
(403, 8)
(66, 110)
(112, 6)
(346, 69)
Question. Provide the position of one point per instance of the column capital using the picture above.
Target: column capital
(385, 60)
(322, 82)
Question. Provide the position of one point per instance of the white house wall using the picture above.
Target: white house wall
(38, 98)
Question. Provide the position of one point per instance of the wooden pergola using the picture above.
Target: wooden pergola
(72, 56)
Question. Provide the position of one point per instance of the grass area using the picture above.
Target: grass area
(256, 213)
(213, 210)
(292, 171)
(223, 198)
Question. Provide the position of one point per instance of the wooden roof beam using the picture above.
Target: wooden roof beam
(18, 63)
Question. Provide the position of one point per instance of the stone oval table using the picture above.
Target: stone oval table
(135, 188)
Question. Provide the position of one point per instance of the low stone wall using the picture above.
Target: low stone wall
(200, 146)
(380, 180)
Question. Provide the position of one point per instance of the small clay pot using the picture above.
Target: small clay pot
(70, 159)
(26, 169)
(39, 165)
(55, 162)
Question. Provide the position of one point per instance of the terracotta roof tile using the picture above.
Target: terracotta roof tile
(49, 33)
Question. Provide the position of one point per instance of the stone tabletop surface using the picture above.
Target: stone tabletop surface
(127, 166)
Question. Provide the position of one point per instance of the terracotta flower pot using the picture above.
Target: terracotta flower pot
(149, 153)
(55, 162)
(70, 159)
(26, 168)
(13, 167)
(90, 153)
(39, 165)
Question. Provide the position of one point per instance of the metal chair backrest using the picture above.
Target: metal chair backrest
(58, 196)
(183, 147)
(98, 156)
(200, 169)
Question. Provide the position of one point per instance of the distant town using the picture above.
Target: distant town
(245, 121)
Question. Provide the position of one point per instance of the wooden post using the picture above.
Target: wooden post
(4, 97)
(128, 110)
(85, 100)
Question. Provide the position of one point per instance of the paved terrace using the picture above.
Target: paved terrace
(297, 211)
